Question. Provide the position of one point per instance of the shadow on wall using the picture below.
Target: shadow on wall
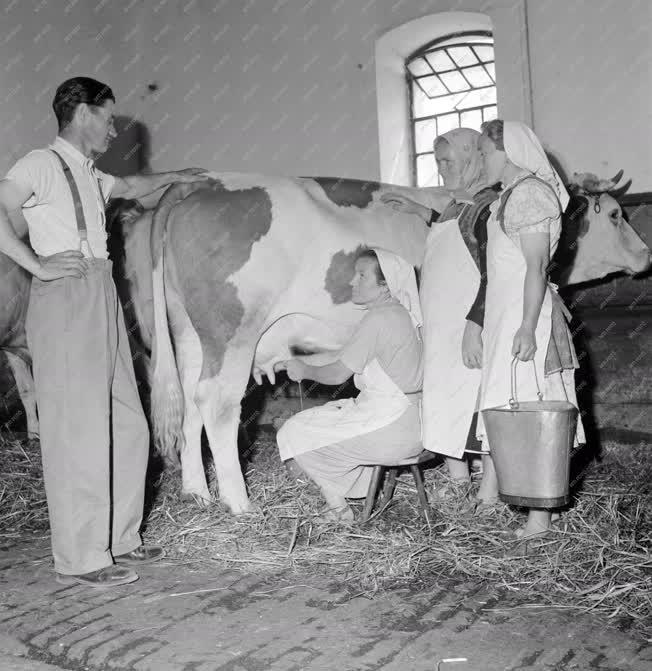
(130, 152)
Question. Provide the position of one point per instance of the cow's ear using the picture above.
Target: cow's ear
(575, 210)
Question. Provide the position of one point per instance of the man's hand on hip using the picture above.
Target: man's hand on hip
(64, 264)
(189, 175)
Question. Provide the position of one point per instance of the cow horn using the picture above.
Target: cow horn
(621, 190)
(615, 179)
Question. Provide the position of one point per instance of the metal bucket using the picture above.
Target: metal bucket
(530, 445)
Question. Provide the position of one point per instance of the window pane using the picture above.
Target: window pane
(426, 170)
(424, 106)
(471, 119)
(478, 76)
(490, 113)
(455, 82)
(419, 67)
(477, 98)
(492, 70)
(462, 56)
(484, 53)
(431, 86)
(439, 60)
(424, 135)
(447, 122)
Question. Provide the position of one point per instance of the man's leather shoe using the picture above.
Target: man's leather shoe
(109, 576)
(145, 554)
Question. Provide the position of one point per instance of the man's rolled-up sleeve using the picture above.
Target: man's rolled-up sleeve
(33, 172)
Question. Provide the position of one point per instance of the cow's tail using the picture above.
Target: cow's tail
(167, 405)
(167, 394)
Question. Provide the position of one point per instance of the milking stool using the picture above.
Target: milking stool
(414, 464)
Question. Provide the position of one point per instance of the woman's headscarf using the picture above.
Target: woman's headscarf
(524, 150)
(465, 144)
(401, 282)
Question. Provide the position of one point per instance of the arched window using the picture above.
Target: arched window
(451, 83)
(505, 21)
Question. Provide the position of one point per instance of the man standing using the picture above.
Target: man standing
(94, 436)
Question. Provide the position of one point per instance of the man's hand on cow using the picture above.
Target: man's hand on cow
(525, 344)
(402, 203)
(472, 345)
(64, 264)
(295, 369)
(190, 175)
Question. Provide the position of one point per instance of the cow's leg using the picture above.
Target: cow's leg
(189, 362)
(219, 400)
(25, 386)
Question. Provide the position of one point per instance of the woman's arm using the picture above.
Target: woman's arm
(536, 250)
(335, 373)
(476, 313)
(401, 203)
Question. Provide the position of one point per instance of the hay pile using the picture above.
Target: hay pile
(23, 508)
(597, 560)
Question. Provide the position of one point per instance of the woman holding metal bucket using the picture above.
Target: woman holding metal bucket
(524, 317)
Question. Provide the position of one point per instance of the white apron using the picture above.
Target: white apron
(506, 268)
(449, 285)
(379, 403)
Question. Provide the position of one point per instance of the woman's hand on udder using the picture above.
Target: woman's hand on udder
(293, 368)
(525, 344)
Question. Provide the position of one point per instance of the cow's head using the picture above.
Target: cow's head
(596, 238)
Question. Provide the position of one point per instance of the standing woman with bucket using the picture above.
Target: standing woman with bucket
(524, 317)
(453, 287)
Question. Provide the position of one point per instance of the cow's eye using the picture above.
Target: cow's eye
(614, 215)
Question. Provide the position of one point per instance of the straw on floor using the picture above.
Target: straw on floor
(596, 560)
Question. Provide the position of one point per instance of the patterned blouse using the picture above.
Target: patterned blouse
(529, 205)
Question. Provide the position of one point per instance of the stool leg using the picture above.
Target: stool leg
(390, 486)
(376, 477)
(421, 490)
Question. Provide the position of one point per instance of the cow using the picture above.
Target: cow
(15, 284)
(595, 223)
(250, 270)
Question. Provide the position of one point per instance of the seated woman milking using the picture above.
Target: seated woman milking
(337, 444)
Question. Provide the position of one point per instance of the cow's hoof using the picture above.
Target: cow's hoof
(201, 500)
(243, 509)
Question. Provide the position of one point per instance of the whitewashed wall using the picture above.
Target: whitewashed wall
(288, 86)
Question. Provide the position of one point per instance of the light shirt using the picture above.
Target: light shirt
(386, 333)
(49, 212)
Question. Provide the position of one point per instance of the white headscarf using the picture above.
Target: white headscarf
(464, 143)
(401, 282)
(524, 150)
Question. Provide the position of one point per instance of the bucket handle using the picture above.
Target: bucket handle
(513, 400)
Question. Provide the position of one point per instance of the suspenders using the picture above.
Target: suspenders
(76, 199)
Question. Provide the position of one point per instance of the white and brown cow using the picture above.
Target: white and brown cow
(254, 268)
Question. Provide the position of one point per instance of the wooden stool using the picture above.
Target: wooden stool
(388, 490)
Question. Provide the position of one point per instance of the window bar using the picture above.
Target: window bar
(452, 93)
(465, 109)
(484, 64)
(460, 68)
